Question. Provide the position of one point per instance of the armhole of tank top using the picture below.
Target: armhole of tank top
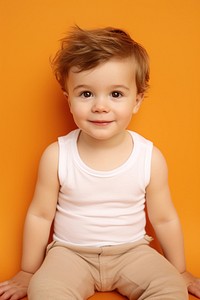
(148, 163)
(61, 160)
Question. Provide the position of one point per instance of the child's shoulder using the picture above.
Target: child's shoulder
(51, 149)
(141, 140)
(158, 159)
(48, 162)
(72, 135)
(159, 168)
(50, 154)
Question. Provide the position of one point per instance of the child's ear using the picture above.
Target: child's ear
(139, 100)
(65, 94)
(67, 97)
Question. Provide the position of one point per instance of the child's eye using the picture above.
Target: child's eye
(116, 94)
(86, 94)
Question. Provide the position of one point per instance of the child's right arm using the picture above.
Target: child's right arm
(37, 225)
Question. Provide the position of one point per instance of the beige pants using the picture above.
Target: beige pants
(134, 270)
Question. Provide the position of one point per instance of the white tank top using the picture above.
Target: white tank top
(97, 208)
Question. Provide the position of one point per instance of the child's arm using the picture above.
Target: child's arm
(162, 213)
(164, 218)
(37, 225)
(41, 211)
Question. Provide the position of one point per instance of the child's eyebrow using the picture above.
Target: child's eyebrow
(80, 86)
(120, 86)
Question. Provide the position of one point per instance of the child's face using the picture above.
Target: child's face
(102, 100)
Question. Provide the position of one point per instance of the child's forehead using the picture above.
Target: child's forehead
(126, 64)
(110, 73)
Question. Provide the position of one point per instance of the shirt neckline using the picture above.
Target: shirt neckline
(84, 167)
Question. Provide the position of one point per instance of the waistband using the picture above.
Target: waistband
(105, 250)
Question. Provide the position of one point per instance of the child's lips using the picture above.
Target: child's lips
(100, 122)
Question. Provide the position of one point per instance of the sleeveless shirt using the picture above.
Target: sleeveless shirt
(101, 208)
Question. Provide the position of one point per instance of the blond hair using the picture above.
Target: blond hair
(86, 49)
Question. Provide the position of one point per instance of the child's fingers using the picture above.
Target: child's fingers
(10, 292)
(3, 283)
(7, 291)
(4, 286)
(194, 288)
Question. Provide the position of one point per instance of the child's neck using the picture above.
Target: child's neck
(105, 155)
(115, 141)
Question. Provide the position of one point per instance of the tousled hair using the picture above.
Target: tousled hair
(86, 49)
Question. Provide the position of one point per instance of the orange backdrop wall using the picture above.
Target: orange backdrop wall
(33, 111)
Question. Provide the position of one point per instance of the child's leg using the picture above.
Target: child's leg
(63, 275)
(148, 275)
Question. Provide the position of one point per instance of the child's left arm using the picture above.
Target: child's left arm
(165, 220)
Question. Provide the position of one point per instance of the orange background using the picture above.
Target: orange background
(34, 112)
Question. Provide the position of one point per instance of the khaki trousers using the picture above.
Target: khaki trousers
(135, 270)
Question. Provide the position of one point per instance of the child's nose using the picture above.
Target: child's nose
(100, 105)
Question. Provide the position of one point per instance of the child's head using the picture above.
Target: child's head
(86, 49)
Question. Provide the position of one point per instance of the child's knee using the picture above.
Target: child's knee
(37, 289)
(50, 288)
(168, 287)
(163, 286)
(32, 288)
(43, 288)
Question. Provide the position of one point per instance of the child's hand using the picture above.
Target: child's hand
(193, 284)
(16, 287)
